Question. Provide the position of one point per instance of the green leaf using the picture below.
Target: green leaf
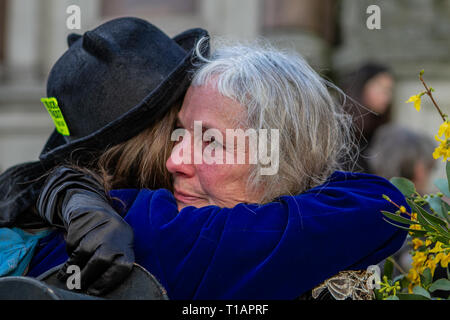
(397, 218)
(442, 239)
(441, 284)
(436, 204)
(408, 296)
(442, 185)
(424, 223)
(400, 277)
(427, 218)
(416, 233)
(431, 223)
(392, 298)
(404, 185)
(378, 295)
(425, 278)
(388, 268)
(443, 231)
(421, 292)
(440, 207)
(404, 282)
(445, 210)
(433, 219)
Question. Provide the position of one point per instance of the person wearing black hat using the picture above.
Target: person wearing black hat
(113, 84)
(208, 239)
(273, 251)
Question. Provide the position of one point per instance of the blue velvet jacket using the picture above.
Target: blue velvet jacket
(274, 251)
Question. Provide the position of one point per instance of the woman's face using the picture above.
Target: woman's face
(377, 94)
(201, 184)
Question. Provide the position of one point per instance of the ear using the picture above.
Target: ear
(97, 45)
(71, 38)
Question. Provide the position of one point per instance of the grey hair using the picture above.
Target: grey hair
(401, 148)
(281, 91)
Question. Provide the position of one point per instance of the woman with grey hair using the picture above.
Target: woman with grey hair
(232, 230)
(278, 92)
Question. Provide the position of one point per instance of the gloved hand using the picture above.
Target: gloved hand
(98, 240)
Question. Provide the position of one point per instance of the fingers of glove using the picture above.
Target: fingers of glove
(112, 277)
(78, 258)
(95, 268)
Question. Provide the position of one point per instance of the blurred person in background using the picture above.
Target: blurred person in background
(370, 90)
(400, 152)
(396, 151)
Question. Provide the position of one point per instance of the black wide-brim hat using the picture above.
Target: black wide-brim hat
(139, 285)
(111, 84)
(115, 81)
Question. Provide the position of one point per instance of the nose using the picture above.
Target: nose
(180, 162)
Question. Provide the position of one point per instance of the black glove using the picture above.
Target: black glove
(98, 240)
(20, 186)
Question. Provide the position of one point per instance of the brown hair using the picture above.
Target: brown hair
(139, 162)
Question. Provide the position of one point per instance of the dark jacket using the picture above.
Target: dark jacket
(20, 186)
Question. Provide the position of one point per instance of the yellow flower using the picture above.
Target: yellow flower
(428, 242)
(437, 247)
(419, 258)
(443, 150)
(444, 129)
(413, 275)
(443, 258)
(402, 209)
(414, 279)
(416, 100)
(417, 243)
(431, 263)
(415, 227)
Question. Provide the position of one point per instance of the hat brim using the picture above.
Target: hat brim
(151, 109)
(139, 285)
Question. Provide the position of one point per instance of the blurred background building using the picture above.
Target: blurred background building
(331, 34)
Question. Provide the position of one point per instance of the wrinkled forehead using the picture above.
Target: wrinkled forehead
(205, 103)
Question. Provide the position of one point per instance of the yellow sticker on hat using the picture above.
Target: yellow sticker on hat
(51, 104)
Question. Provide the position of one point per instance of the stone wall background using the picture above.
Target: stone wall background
(415, 35)
(331, 34)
